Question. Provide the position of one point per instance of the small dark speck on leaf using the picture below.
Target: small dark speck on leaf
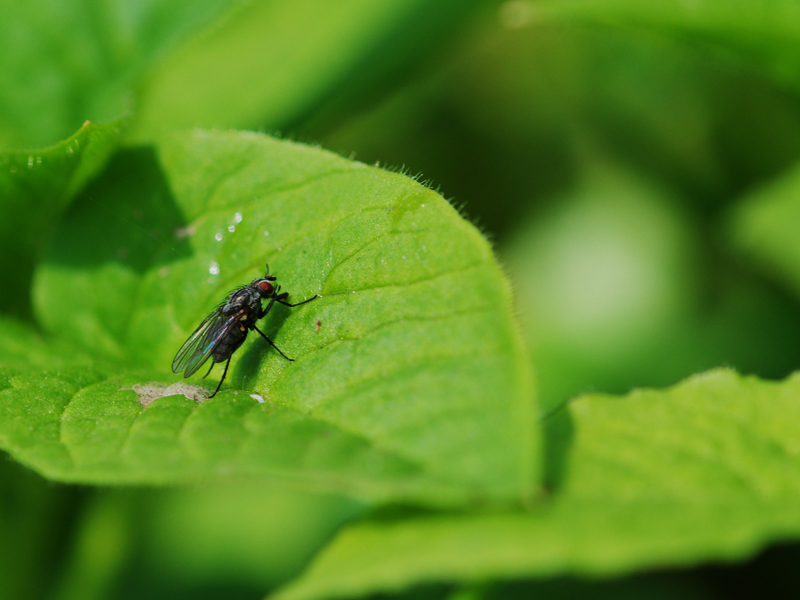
(153, 391)
(319, 324)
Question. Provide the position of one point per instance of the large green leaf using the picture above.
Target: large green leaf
(409, 380)
(66, 62)
(35, 189)
(765, 33)
(706, 470)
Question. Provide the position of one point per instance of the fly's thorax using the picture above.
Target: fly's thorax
(243, 299)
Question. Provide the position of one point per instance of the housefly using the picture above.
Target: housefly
(226, 328)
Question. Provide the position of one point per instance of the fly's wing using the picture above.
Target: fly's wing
(196, 350)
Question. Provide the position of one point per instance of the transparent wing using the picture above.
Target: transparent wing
(196, 350)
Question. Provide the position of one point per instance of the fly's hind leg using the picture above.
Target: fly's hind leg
(225, 372)
(272, 344)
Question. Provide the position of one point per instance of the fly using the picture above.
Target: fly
(226, 328)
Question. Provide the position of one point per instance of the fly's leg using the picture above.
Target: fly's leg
(285, 295)
(209, 369)
(271, 344)
(225, 372)
(280, 298)
(264, 311)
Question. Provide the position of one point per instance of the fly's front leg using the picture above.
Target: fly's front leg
(285, 295)
(264, 311)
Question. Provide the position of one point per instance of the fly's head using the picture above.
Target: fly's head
(264, 286)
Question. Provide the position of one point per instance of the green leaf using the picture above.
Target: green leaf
(31, 517)
(184, 63)
(706, 470)
(35, 189)
(77, 427)
(64, 63)
(249, 532)
(102, 543)
(670, 585)
(764, 33)
(293, 57)
(23, 349)
(409, 381)
(763, 226)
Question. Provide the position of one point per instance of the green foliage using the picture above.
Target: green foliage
(707, 469)
(36, 187)
(762, 33)
(635, 165)
(246, 539)
(603, 278)
(361, 410)
(66, 62)
(304, 62)
(761, 227)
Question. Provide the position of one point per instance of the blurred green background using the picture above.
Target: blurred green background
(610, 151)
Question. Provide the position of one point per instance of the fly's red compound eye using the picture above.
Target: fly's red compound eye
(266, 287)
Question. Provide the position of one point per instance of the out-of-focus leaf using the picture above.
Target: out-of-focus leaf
(652, 586)
(765, 33)
(35, 516)
(601, 280)
(290, 56)
(409, 383)
(507, 121)
(66, 62)
(706, 470)
(23, 349)
(252, 533)
(35, 189)
(103, 542)
(764, 226)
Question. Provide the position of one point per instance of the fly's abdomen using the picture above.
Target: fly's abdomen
(229, 343)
